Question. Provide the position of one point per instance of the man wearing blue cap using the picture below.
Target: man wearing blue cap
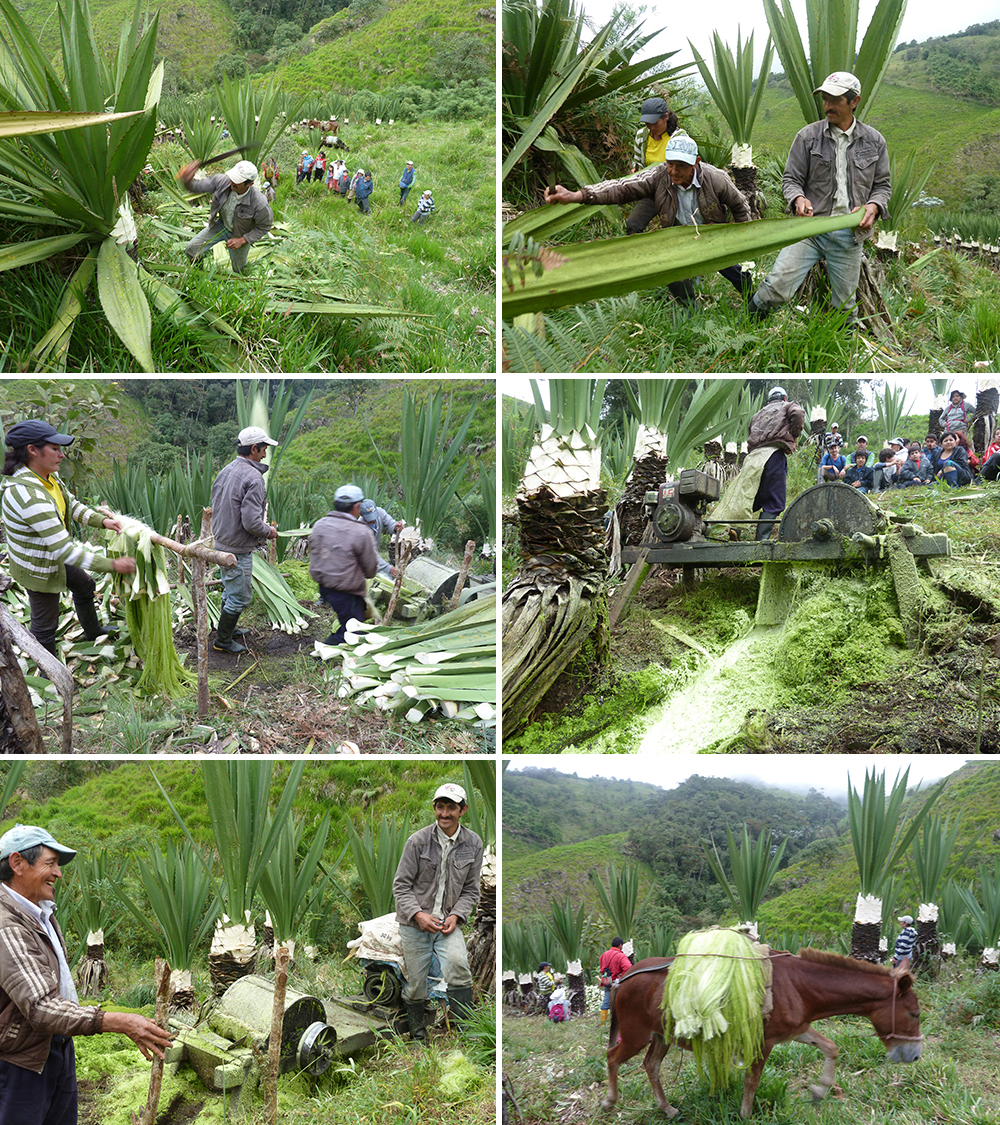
(380, 522)
(834, 167)
(685, 192)
(342, 556)
(39, 1009)
(42, 556)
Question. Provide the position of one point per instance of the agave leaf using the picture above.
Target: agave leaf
(25, 122)
(877, 47)
(336, 308)
(24, 253)
(791, 52)
(610, 267)
(50, 352)
(124, 302)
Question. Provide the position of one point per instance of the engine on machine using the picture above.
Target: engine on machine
(677, 508)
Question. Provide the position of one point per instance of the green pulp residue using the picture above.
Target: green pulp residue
(845, 632)
(611, 722)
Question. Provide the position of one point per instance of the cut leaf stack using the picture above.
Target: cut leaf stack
(446, 665)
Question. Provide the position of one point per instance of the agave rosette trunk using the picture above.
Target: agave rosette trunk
(557, 603)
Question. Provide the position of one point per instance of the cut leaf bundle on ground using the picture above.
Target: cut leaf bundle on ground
(447, 664)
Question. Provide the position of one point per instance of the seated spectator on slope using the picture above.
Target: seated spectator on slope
(991, 459)
(860, 475)
(963, 441)
(833, 465)
(915, 471)
(953, 467)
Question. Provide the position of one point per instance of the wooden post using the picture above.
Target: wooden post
(470, 546)
(198, 568)
(162, 976)
(27, 733)
(51, 665)
(281, 959)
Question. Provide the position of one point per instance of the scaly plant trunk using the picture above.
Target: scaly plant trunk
(557, 605)
(482, 943)
(576, 988)
(511, 996)
(92, 975)
(233, 953)
(182, 997)
(927, 946)
(984, 421)
(649, 471)
(866, 933)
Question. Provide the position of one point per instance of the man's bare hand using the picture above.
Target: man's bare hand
(188, 172)
(803, 207)
(871, 214)
(450, 924)
(559, 194)
(148, 1036)
(427, 922)
(235, 243)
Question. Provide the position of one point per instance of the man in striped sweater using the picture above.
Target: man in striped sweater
(39, 1010)
(42, 556)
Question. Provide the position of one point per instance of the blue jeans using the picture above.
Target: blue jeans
(49, 1098)
(236, 584)
(207, 238)
(419, 948)
(843, 268)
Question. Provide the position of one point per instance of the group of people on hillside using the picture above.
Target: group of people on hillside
(945, 456)
(835, 166)
(360, 186)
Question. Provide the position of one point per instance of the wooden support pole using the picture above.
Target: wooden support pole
(463, 574)
(400, 569)
(281, 959)
(51, 665)
(162, 977)
(198, 569)
(196, 550)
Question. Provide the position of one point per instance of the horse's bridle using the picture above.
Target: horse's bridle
(892, 1034)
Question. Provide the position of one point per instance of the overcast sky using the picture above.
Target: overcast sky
(924, 19)
(829, 773)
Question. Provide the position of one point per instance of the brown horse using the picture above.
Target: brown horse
(809, 986)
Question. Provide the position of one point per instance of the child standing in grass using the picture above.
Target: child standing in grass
(424, 207)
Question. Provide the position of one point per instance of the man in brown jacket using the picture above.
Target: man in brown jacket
(776, 427)
(341, 556)
(436, 888)
(685, 191)
(39, 1011)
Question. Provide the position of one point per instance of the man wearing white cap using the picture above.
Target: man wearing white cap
(437, 888)
(342, 557)
(834, 167)
(685, 192)
(239, 524)
(903, 951)
(39, 1009)
(239, 213)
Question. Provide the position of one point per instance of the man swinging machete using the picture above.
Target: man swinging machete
(239, 213)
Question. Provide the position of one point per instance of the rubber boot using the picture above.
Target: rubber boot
(604, 1015)
(86, 612)
(415, 1018)
(224, 638)
(460, 1005)
(766, 525)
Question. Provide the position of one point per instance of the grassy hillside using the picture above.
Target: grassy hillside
(397, 48)
(192, 33)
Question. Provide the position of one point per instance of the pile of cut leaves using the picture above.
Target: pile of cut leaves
(445, 666)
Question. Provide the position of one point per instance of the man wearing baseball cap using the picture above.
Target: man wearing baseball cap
(380, 522)
(657, 124)
(436, 889)
(835, 166)
(239, 213)
(42, 556)
(39, 1009)
(342, 557)
(684, 191)
(239, 524)
(903, 950)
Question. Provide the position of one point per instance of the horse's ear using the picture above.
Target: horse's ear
(904, 980)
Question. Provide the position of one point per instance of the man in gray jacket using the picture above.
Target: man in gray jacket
(239, 213)
(342, 556)
(685, 192)
(834, 167)
(239, 503)
(436, 888)
(39, 1010)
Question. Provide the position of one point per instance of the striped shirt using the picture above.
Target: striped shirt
(905, 943)
(39, 544)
